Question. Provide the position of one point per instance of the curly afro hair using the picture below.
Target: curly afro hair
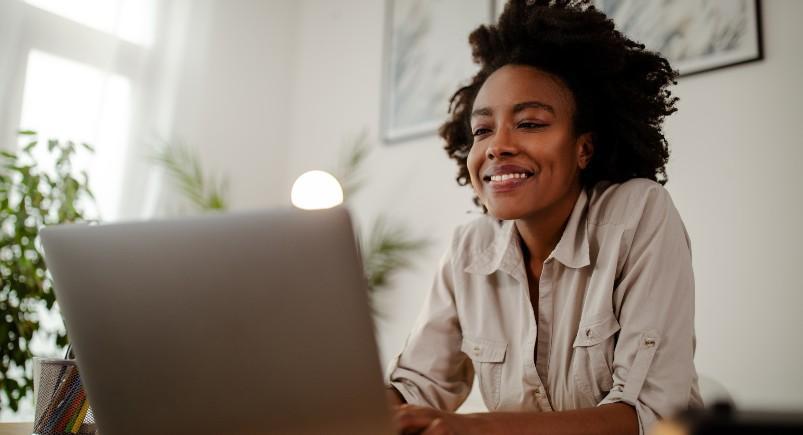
(620, 89)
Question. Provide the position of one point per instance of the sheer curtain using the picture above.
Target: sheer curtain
(97, 71)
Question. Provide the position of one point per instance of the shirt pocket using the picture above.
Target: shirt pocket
(592, 360)
(488, 356)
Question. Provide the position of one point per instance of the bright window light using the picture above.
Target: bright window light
(131, 20)
(316, 190)
(73, 101)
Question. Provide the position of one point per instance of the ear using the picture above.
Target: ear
(585, 150)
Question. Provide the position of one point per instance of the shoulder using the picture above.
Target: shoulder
(628, 203)
(475, 237)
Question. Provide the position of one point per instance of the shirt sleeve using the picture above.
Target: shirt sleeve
(432, 370)
(653, 366)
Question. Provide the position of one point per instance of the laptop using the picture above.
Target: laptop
(249, 323)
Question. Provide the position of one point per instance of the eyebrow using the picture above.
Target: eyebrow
(518, 107)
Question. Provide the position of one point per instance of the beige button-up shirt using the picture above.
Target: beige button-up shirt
(615, 318)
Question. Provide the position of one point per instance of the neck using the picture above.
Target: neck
(541, 232)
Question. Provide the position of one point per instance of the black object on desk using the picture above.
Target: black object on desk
(723, 419)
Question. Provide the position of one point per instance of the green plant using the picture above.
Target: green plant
(31, 196)
(386, 250)
(184, 166)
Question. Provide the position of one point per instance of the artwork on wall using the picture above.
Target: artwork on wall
(427, 56)
(695, 35)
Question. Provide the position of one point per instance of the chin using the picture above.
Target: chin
(505, 213)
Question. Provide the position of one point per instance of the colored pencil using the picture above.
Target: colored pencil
(69, 389)
(81, 416)
(73, 406)
(60, 390)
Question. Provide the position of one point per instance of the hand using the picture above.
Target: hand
(411, 419)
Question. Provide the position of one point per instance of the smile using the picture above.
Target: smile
(504, 177)
(507, 182)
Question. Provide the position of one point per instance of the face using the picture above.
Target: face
(526, 157)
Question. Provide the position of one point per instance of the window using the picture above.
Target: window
(80, 62)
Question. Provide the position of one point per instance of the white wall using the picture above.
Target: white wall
(733, 174)
(232, 97)
(336, 94)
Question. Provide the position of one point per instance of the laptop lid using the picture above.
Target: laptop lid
(252, 323)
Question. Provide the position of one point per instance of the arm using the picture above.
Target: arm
(431, 370)
(653, 365)
(613, 419)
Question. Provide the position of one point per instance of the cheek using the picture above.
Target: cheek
(560, 155)
(568, 158)
(474, 163)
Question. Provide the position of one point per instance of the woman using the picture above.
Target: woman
(575, 294)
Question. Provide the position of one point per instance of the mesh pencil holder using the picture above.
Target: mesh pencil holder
(61, 404)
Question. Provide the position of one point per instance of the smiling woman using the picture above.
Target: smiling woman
(522, 128)
(575, 293)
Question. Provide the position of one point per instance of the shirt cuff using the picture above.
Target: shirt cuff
(407, 389)
(646, 416)
(408, 393)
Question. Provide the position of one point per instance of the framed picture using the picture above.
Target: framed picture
(695, 35)
(426, 58)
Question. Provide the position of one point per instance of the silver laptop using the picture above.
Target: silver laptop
(253, 323)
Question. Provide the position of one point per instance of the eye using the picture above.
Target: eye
(531, 125)
(479, 131)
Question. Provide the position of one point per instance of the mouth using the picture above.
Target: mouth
(505, 177)
(501, 183)
(506, 172)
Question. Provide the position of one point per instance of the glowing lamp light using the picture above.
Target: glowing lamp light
(315, 190)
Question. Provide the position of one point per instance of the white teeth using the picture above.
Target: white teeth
(507, 177)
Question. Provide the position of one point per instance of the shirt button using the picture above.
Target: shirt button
(476, 350)
(589, 333)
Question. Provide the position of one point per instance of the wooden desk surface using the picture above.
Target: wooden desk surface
(16, 428)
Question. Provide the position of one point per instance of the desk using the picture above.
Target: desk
(16, 428)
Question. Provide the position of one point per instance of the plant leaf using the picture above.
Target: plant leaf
(31, 195)
(184, 167)
(28, 148)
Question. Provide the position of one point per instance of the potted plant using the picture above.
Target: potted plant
(32, 195)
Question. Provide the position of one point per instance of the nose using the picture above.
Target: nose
(501, 146)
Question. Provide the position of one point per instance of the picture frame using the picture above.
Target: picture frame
(426, 57)
(696, 36)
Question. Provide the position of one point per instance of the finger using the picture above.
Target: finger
(415, 409)
(438, 427)
(410, 417)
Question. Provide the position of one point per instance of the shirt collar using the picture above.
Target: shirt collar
(572, 249)
(505, 253)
